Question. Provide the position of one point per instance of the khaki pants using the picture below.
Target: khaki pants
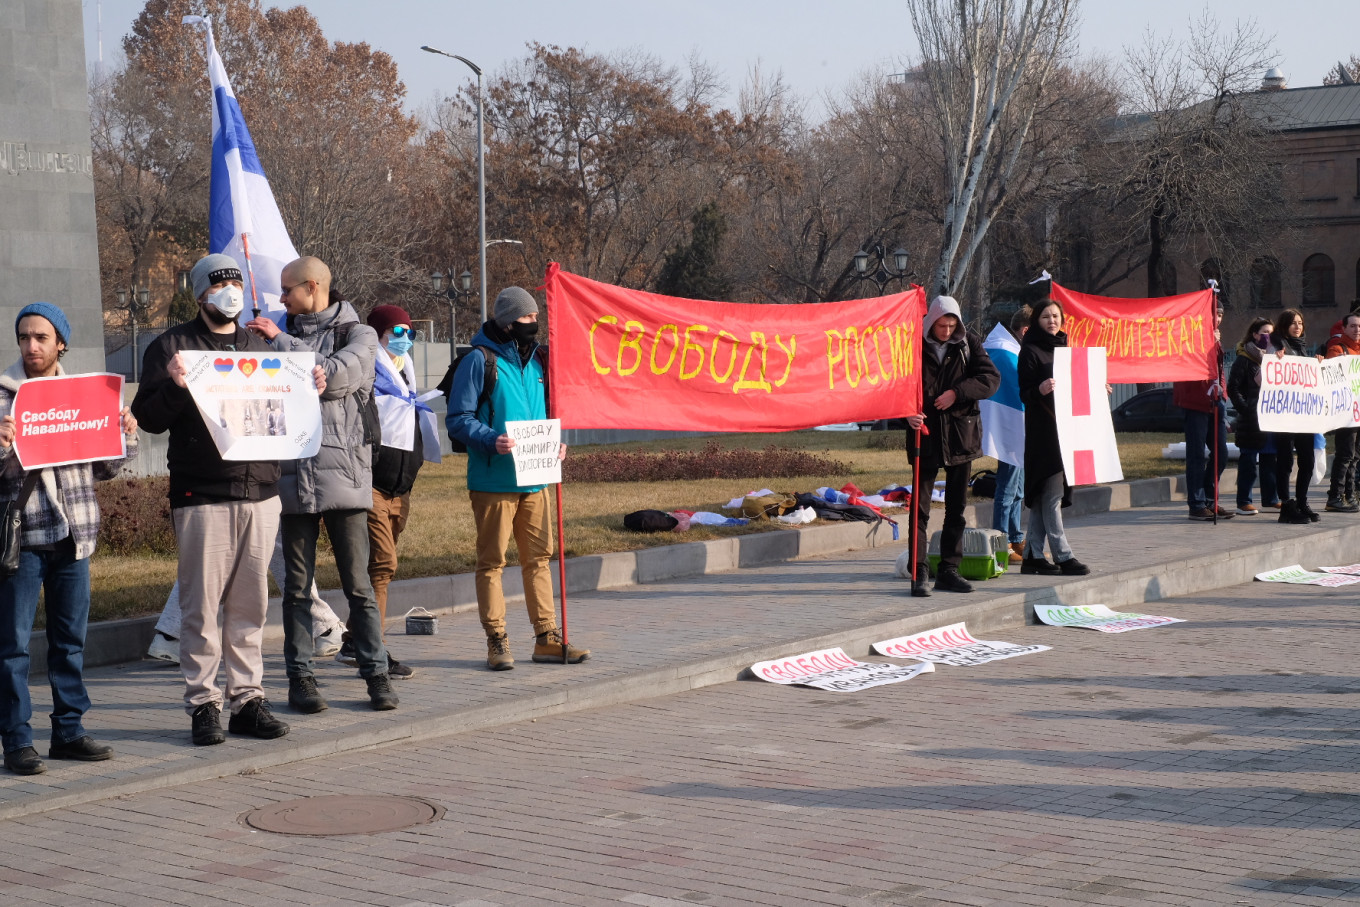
(224, 552)
(525, 516)
(386, 521)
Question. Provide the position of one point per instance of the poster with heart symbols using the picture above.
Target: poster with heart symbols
(257, 406)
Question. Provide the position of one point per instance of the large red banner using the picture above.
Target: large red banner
(1145, 340)
(68, 419)
(628, 359)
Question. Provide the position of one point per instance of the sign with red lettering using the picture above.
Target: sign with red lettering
(951, 645)
(1085, 429)
(68, 419)
(628, 359)
(1152, 340)
(833, 670)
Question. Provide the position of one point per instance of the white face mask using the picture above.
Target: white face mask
(229, 300)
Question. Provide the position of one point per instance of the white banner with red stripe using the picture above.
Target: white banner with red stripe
(1085, 430)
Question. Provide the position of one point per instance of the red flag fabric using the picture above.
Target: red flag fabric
(628, 359)
(1146, 340)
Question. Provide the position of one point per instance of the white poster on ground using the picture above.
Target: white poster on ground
(535, 451)
(1349, 569)
(257, 406)
(1099, 617)
(1085, 429)
(951, 645)
(832, 669)
(1330, 576)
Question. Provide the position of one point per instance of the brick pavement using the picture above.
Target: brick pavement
(1211, 762)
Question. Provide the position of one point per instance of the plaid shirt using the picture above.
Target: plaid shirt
(63, 503)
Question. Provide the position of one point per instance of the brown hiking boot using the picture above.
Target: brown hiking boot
(548, 649)
(498, 653)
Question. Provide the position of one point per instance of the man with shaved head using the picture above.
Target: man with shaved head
(335, 486)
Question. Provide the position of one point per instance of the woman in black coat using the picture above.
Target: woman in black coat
(1244, 389)
(1046, 488)
(1287, 340)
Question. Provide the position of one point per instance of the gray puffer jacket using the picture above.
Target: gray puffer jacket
(340, 476)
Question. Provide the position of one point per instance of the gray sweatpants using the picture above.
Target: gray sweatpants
(1045, 521)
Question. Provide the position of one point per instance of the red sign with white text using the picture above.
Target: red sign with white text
(68, 419)
(1146, 340)
(628, 359)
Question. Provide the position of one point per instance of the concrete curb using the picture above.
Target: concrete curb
(121, 641)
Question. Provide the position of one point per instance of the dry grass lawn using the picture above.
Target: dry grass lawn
(439, 538)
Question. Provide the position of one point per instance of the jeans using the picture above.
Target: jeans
(955, 499)
(1045, 522)
(1200, 475)
(1285, 447)
(348, 531)
(1247, 472)
(1010, 493)
(65, 581)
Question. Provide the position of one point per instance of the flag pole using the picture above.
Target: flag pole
(250, 272)
(915, 512)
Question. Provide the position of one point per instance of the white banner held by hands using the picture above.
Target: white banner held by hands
(257, 407)
(1085, 429)
(535, 451)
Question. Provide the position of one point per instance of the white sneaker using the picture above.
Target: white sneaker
(327, 643)
(163, 648)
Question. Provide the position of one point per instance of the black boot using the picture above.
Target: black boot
(950, 581)
(1289, 513)
(1039, 566)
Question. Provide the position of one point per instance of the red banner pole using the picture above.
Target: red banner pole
(553, 364)
(915, 503)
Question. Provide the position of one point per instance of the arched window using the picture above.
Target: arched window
(1266, 289)
(1319, 280)
(1209, 270)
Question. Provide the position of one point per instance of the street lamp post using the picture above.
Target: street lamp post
(877, 270)
(453, 294)
(481, 171)
(136, 301)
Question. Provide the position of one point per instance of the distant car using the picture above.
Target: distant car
(884, 425)
(1152, 410)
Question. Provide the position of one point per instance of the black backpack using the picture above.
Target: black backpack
(368, 407)
(490, 359)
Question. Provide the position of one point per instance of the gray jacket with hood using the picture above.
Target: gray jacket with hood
(340, 476)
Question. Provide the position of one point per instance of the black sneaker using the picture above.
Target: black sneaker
(82, 749)
(1290, 513)
(1309, 512)
(256, 720)
(24, 761)
(347, 655)
(303, 696)
(950, 581)
(920, 588)
(396, 670)
(207, 721)
(1039, 566)
(1073, 567)
(380, 693)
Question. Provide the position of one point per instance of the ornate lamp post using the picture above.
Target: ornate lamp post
(452, 294)
(877, 269)
(135, 302)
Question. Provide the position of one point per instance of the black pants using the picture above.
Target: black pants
(1285, 447)
(1344, 462)
(955, 499)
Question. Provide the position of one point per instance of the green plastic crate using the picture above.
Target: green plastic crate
(986, 553)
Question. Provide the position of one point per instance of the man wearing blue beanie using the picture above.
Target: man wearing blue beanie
(60, 526)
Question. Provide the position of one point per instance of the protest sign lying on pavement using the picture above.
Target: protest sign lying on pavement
(257, 407)
(832, 669)
(951, 645)
(68, 419)
(1099, 617)
(1349, 569)
(535, 451)
(1332, 576)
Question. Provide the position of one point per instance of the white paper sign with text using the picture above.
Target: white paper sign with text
(951, 645)
(1330, 576)
(535, 451)
(832, 669)
(1099, 617)
(1085, 429)
(1301, 395)
(257, 406)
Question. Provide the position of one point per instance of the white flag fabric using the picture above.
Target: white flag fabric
(1085, 429)
(240, 200)
(1003, 415)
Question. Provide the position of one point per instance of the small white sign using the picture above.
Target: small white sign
(951, 645)
(1099, 617)
(833, 670)
(257, 406)
(535, 451)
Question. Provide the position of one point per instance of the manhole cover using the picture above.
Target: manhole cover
(343, 815)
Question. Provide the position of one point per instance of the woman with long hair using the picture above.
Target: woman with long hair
(1287, 340)
(1244, 388)
(1046, 488)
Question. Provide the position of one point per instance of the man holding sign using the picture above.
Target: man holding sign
(60, 526)
(503, 380)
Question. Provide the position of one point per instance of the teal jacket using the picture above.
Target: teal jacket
(519, 395)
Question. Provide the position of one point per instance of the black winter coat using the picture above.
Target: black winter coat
(955, 435)
(1043, 455)
(1243, 391)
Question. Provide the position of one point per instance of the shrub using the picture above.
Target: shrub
(886, 440)
(135, 516)
(713, 461)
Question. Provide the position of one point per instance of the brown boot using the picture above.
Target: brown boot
(548, 649)
(498, 653)
(1017, 552)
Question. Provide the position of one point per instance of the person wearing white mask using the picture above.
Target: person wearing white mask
(226, 515)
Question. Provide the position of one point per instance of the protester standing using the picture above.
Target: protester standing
(1010, 477)
(500, 506)
(1342, 496)
(1244, 389)
(226, 515)
(1046, 488)
(1206, 428)
(956, 373)
(1287, 340)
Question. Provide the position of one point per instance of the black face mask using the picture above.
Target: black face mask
(524, 332)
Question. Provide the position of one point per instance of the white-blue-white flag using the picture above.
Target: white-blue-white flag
(1003, 415)
(241, 204)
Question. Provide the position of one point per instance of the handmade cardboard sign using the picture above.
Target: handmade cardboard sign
(832, 669)
(68, 419)
(535, 451)
(1085, 430)
(951, 645)
(257, 406)
(1099, 617)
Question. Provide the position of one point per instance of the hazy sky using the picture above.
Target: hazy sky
(818, 46)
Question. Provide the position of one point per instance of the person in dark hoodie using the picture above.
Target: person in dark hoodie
(1046, 488)
(501, 507)
(1287, 340)
(956, 373)
(1342, 498)
(1244, 389)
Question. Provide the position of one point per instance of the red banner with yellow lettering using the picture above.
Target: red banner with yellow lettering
(628, 359)
(1146, 340)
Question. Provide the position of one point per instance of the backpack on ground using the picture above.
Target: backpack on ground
(490, 358)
